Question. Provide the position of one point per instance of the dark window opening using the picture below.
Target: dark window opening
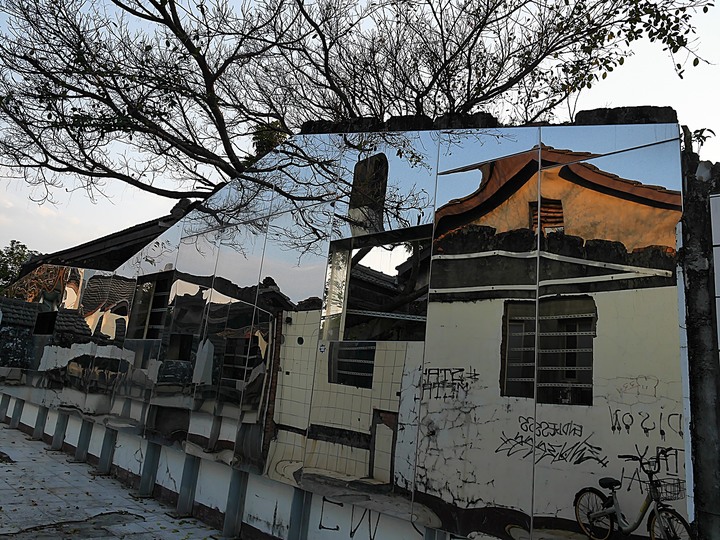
(242, 355)
(45, 323)
(150, 306)
(567, 327)
(352, 363)
(180, 347)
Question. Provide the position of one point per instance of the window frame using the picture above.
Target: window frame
(554, 380)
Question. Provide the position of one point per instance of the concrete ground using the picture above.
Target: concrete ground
(43, 495)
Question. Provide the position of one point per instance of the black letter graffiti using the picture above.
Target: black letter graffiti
(447, 383)
(648, 421)
(559, 452)
(322, 514)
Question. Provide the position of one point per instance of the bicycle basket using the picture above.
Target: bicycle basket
(669, 489)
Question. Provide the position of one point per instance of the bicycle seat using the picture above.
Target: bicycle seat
(609, 483)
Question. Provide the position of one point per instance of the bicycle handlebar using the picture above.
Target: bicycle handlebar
(652, 465)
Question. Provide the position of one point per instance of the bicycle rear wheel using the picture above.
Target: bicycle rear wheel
(588, 501)
(669, 526)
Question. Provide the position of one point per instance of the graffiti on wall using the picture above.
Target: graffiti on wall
(646, 422)
(363, 521)
(551, 442)
(642, 385)
(447, 383)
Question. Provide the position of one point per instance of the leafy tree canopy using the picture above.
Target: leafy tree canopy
(12, 258)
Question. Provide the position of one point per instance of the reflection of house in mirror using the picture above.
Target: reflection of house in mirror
(375, 363)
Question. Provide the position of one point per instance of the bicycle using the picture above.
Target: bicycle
(598, 513)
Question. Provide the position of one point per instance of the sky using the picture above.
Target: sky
(646, 78)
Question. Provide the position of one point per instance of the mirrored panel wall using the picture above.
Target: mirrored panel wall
(253, 382)
(607, 355)
(469, 328)
(229, 344)
(293, 273)
(472, 473)
(373, 318)
(149, 272)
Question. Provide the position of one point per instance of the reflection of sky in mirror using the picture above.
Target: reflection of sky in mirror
(412, 168)
(158, 256)
(198, 254)
(386, 259)
(299, 274)
(657, 165)
(460, 148)
(606, 139)
(241, 254)
(457, 185)
(463, 148)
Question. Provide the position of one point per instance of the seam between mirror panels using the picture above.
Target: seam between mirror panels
(538, 234)
(439, 138)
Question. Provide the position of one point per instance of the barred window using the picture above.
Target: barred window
(352, 363)
(551, 216)
(567, 327)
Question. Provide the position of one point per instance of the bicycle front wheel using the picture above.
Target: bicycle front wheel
(587, 502)
(667, 524)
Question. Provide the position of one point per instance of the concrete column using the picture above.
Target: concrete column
(300, 514)
(186, 497)
(81, 450)
(60, 428)
(17, 413)
(435, 534)
(4, 406)
(235, 504)
(40, 420)
(149, 470)
(108, 449)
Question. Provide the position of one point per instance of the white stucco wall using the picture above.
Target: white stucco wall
(170, 468)
(129, 452)
(268, 505)
(336, 520)
(212, 485)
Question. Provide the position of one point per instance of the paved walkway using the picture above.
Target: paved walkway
(44, 496)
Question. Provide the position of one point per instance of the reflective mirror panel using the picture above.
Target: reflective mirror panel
(473, 388)
(605, 140)
(471, 328)
(231, 302)
(377, 286)
(295, 279)
(184, 314)
(159, 255)
(607, 355)
(386, 182)
(465, 154)
(304, 167)
(373, 319)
